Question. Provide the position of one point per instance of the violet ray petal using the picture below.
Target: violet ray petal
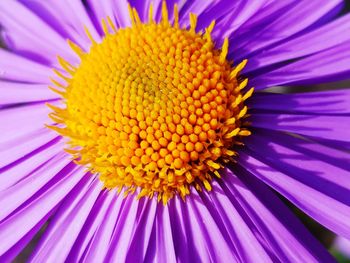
(298, 17)
(17, 68)
(101, 241)
(330, 212)
(322, 126)
(32, 213)
(29, 34)
(243, 12)
(329, 65)
(14, 93)
(216, 11)
(21, 149)
(124, 230)
(17, 248)
(309, 43)
(272, 9)
(232, 219)
(313, 149)
(324, 102)
(102, 10)
(81, 16)
(61, 18)
(14, 196)
(68, 221)
(121, 13)
(163, 241)
(181, 237)
(206, 231)
(24, 168)
(143, 227)
(95, 219)
(264, 208)
(302, 164)
(20, 120)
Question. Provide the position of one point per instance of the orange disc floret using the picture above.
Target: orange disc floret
(153, 106)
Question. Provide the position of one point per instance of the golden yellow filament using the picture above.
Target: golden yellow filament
(153, 106)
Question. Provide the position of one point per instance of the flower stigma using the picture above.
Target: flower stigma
(153, 106)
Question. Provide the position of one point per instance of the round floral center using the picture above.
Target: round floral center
(153, 106)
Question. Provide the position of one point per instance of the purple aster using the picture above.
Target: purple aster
(99, 187)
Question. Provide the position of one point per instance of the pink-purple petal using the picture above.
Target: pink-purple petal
(301, 188)
(17, 68)
(321, 38)
(319, 126)
(65, 226)
(29, 34)
(15, 93)
(32, 213)
(265, 210)
(324, 102)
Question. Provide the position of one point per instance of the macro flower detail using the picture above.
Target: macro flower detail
(152, 106)
(131, 131)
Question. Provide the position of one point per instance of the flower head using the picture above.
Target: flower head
(157, 148)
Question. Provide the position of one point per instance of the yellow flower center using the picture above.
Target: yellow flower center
(153, 106)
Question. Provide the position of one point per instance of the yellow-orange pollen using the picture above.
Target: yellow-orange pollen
(153, 106)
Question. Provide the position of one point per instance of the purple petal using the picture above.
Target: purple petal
(28, 34)
(321, 126)
(243, 11)
(329, 65)
(62, 19)
(97, 218)
(68, 221)
(23, 120)
(101, 240)
(312, 186)
(14, 196)
(32, 213)
(309, 43)
(325, 102)
(25, 146)
(124, 230)
(161, 245)
(27, 165)
(14, 93)
(17, 68)
(121, 13)
(265, 210)
(295, 18)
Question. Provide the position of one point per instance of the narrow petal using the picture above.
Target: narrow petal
(101, 240)
(40, 207)
(25, 146)
(68, 221)
(25, 166)
(309, 43)
(325, 102)
(23, 120)
(18, 194)
(326, 66)
(243, 11)
(97, 218)
(278, 226)
(319, 126)
(306, 189)
(29, 35)
(296, 17)
(16, 68)
(15, 93)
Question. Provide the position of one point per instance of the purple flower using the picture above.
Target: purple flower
(218, 188)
